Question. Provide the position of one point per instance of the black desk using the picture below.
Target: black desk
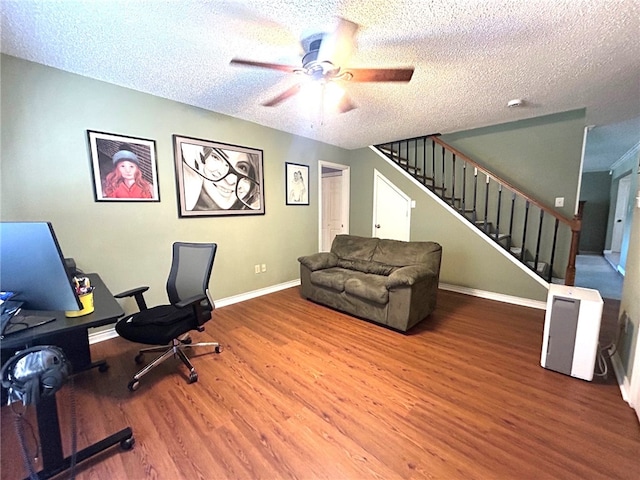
(72, 335)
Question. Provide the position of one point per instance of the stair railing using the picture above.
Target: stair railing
(542, 239)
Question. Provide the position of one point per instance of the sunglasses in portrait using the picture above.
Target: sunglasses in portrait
(214, 166)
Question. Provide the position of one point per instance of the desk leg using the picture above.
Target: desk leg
(124, 437)
(49, 431)
(76, 347)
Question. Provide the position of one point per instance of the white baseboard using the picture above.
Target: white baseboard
(524, 302)
(623, 380)
(109, 333)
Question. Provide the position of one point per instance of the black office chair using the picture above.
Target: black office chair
(190, 308)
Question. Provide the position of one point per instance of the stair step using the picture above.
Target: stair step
(542, 267)
(500, 236)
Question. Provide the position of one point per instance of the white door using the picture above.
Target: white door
(332, 223)
(391, 210)
(620, 216)
(334, 192)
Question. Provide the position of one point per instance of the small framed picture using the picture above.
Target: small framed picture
(216, 179)
(124, 168)
(297, 184)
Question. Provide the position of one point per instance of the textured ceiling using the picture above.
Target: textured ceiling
(470, 57)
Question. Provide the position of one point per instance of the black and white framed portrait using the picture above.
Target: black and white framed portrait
(216, 179)
(124, 168)
(297, 184)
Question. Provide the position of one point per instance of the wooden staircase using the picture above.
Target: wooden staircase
(540, 238)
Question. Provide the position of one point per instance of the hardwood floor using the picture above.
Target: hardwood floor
(301, 391)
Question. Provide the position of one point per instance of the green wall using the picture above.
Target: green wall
(540, 156)
(594, 191)
(46, 175)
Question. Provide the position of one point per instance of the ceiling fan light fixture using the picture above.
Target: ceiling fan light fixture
(332, 96)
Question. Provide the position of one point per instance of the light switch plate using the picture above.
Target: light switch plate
(559, 201)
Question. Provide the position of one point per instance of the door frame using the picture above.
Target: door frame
(346, 194)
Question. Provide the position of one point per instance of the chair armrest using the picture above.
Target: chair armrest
(409, 275)
(137, 293)
(319, 261)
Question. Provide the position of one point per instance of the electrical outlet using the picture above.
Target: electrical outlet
(264, 267)
(256, 268)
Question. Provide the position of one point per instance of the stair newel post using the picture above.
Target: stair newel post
(570, 274)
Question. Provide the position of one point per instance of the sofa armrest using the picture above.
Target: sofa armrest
(319, 261)
(409, 275)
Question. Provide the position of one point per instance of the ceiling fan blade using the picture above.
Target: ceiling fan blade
(380, 74)
(290, 92)
(337, 46)
(346, 105)
(271, 66)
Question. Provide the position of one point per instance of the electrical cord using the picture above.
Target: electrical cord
(19, 423)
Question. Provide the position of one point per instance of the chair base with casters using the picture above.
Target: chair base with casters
(178, 345)
(167, 327)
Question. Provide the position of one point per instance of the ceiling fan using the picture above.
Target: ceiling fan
(322, 63)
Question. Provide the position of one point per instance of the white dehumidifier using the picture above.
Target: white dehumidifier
(571, 330)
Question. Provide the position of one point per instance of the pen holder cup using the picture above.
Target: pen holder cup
(87, 306)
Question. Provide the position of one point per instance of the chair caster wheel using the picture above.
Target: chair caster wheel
(139, 358)
(103, 368)
(193, 377)
(187, 341)
(218, 349)
(133, 385)
(127, 443)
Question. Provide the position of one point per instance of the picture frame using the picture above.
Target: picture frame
(296, 184)
(217, 179)
(124, 168)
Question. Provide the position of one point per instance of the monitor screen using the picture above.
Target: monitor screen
(32, 266)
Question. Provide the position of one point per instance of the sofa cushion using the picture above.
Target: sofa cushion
(367, 286)
(398, 253)
(366, 267)
(318, 261)
(333, 278)
(350, 247)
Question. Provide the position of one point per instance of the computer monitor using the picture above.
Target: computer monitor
(32, 266)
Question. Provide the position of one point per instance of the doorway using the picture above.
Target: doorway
(616, 257)
(391, 210)
(334, 193)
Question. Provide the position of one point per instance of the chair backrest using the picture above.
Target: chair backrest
(190, 270)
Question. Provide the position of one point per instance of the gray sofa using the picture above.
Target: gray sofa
(389, 282)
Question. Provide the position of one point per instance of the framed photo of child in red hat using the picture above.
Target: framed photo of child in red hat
(124, 168)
